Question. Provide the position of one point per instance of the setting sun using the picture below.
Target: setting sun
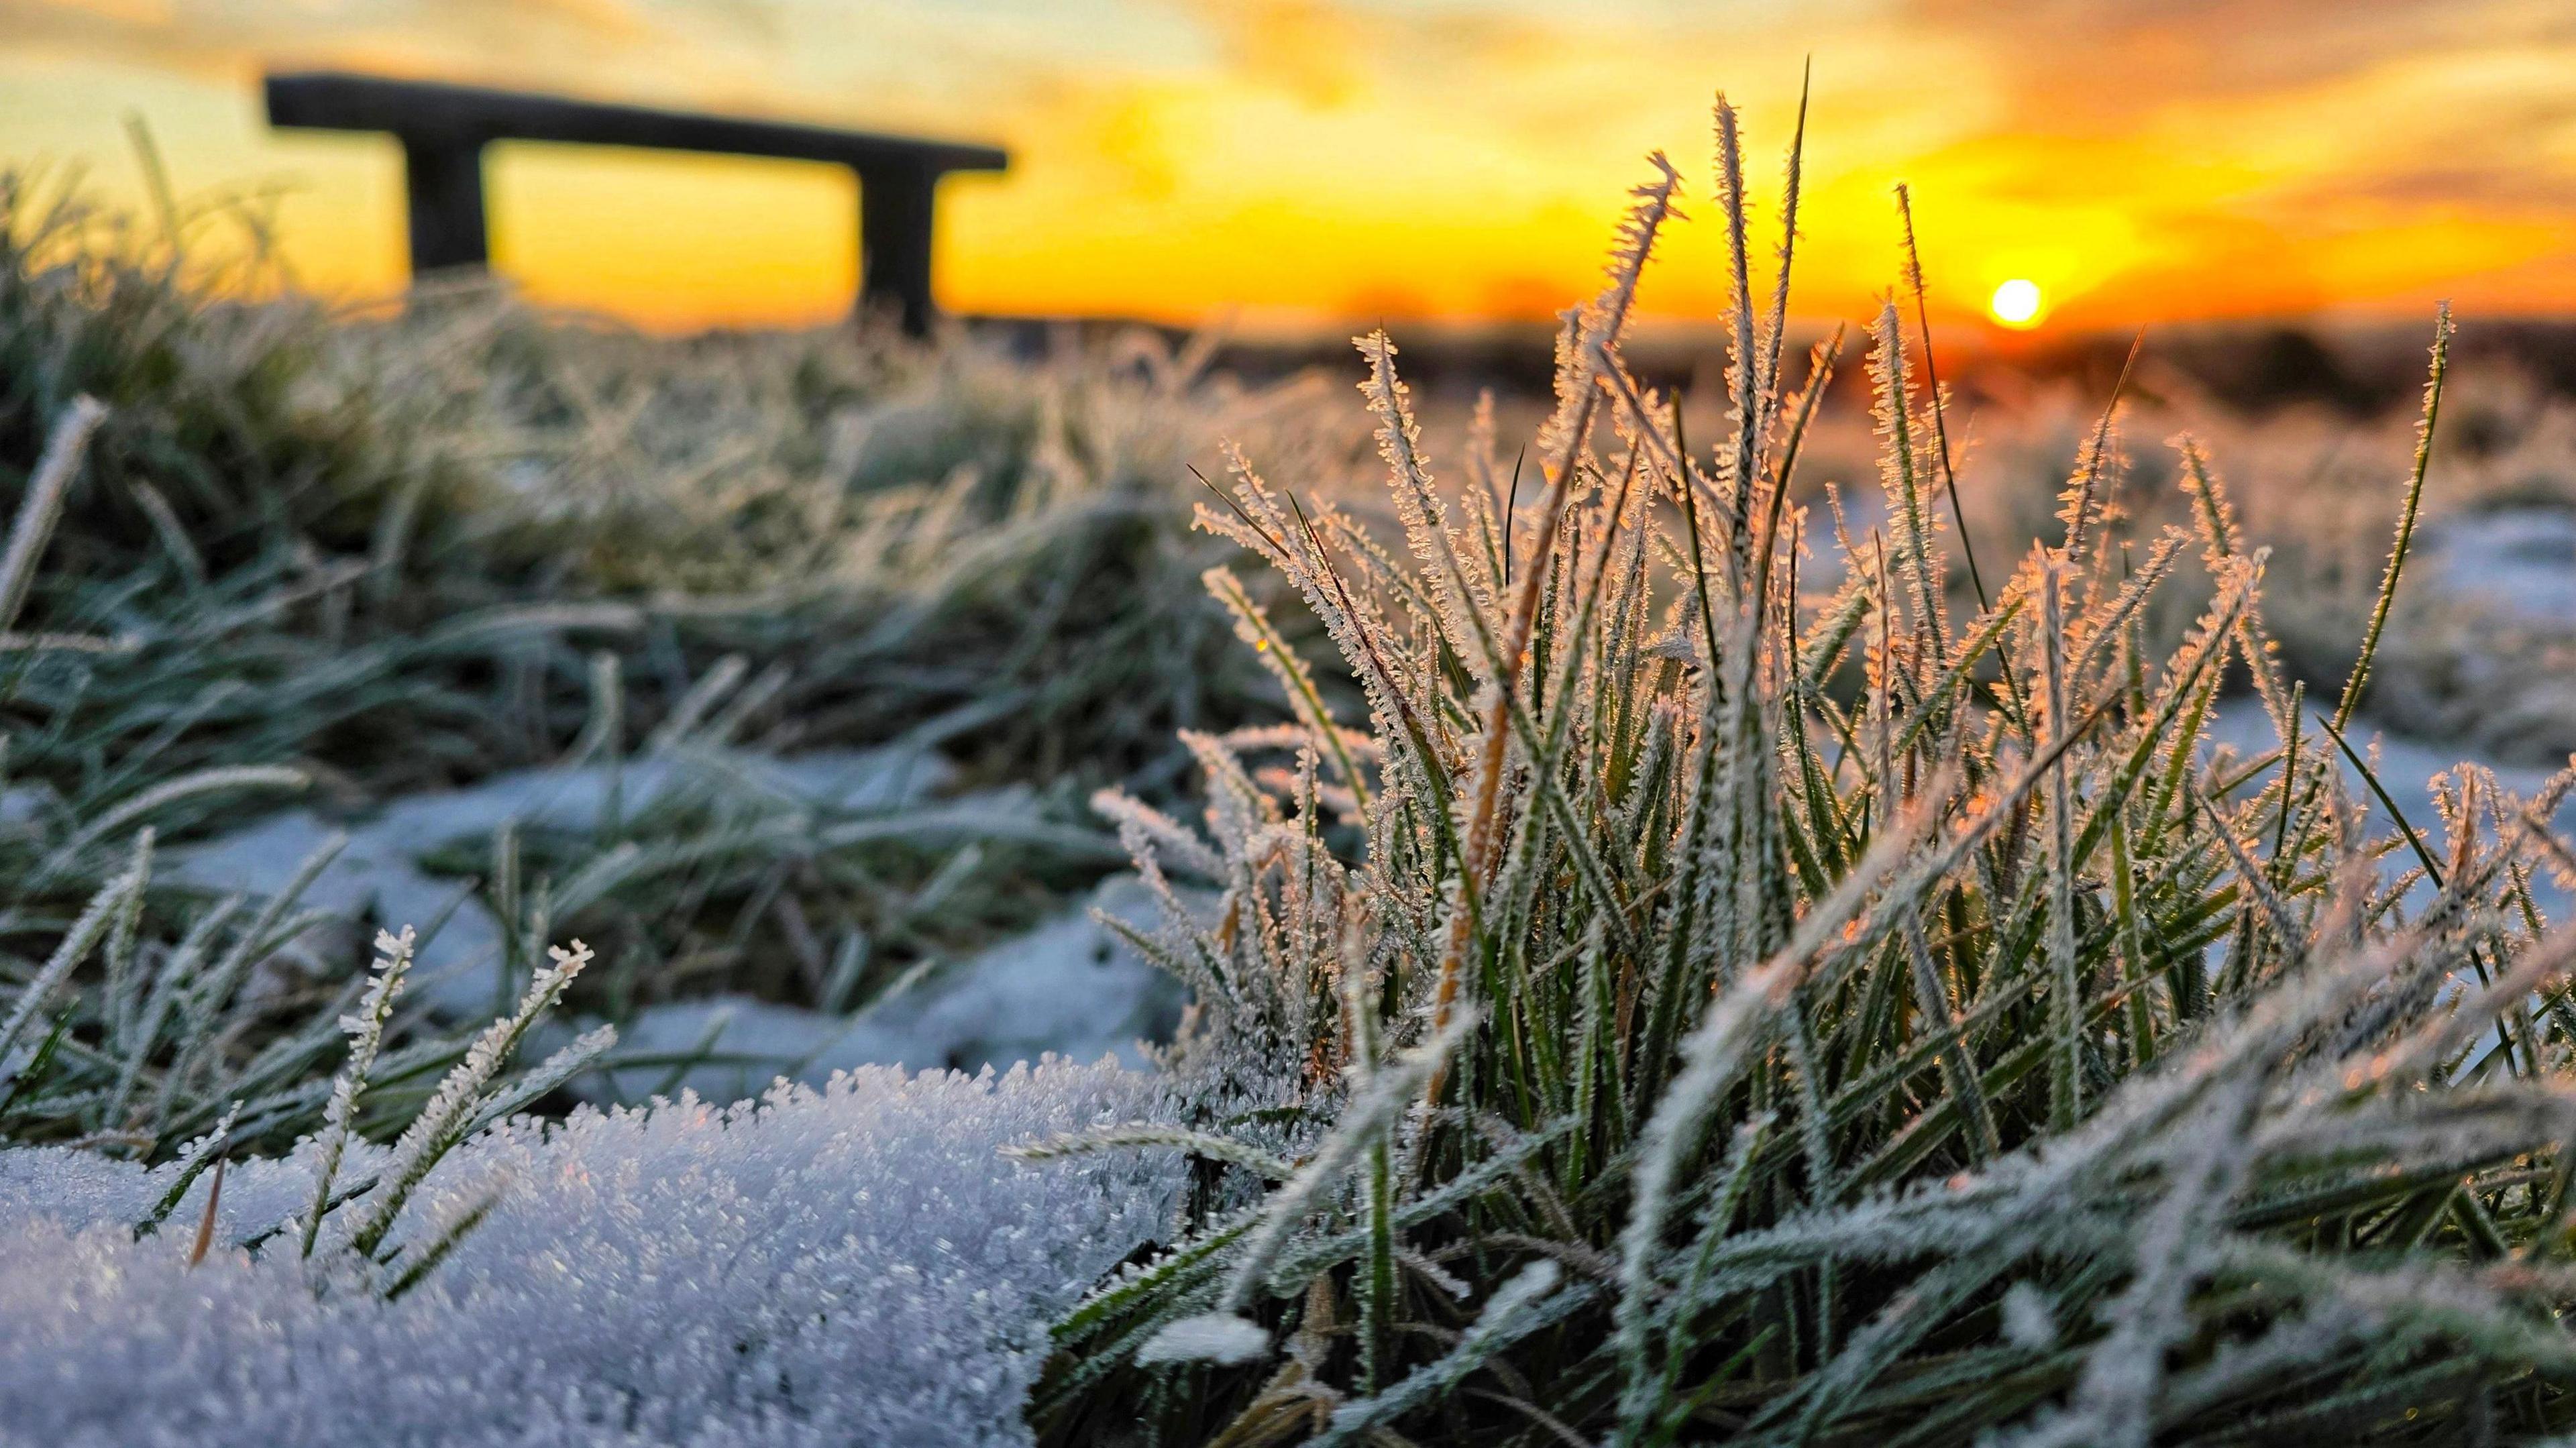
(2016, 303)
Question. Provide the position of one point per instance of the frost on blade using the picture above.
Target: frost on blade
(2029, 1322)
(366, 1032)
(858, 1264)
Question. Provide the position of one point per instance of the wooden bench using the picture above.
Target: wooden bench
(444, 128)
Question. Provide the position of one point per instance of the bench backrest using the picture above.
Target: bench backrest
(444, 128)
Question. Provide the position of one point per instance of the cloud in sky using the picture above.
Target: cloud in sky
(1307, 159)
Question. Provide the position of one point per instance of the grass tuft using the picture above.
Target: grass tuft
(1942, 1049)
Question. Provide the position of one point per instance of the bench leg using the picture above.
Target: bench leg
(444, 185)
(894, 243)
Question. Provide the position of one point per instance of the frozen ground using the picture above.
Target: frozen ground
(2484, 645)
(854, 1264)
(1067, 987)
(377, 871)
(851, 1266)
(2520, 562)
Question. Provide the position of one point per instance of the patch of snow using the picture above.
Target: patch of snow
(2405, 766)
(1217, 1337)
(854, 1265)
(21, 804)
(379, 873)
(2520, 562)
(718, 1048)
(1069, 987)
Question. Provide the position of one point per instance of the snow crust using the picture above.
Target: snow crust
(850, 1265)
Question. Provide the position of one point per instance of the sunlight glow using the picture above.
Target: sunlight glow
(2016, 303)
(1293, 166)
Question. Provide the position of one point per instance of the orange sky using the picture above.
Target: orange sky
(1293, 163)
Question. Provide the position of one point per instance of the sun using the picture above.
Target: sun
(2016, 303)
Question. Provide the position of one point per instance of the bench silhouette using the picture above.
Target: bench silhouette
(444, 128)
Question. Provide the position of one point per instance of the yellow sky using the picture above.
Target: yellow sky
(1304, 162)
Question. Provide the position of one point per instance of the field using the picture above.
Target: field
(1783, 911)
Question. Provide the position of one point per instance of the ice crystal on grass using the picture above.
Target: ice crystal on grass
(852, 1265)
(366, 1031)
